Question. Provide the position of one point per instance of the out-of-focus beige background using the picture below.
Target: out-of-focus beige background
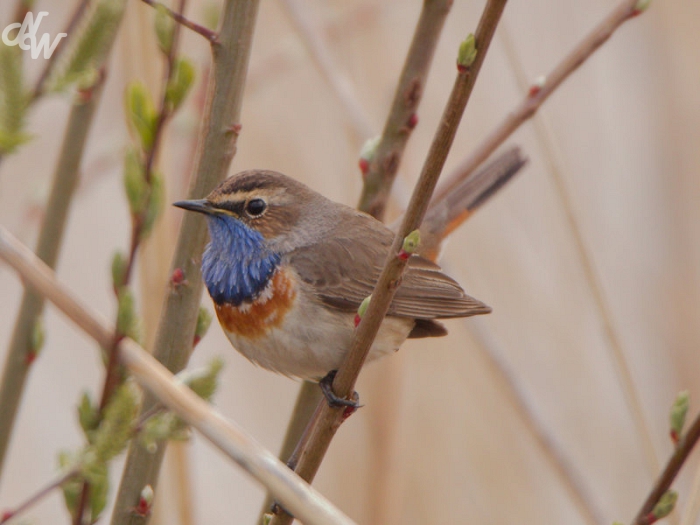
(520, 416)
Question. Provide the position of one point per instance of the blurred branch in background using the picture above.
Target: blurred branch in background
(298, 496)
(83, 59)
(173, 345)
(327, 419)
(145, 191)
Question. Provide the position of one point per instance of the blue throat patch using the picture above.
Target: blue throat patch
(236, 266)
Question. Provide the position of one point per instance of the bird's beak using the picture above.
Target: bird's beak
(200, 205)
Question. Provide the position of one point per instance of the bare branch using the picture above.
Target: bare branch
(329, 419)
(210, 35)
(293, 492)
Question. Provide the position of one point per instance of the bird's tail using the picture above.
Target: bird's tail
(447, 213)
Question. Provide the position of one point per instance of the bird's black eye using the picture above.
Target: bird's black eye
(255, 207)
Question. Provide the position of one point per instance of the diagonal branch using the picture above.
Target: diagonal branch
(210, 35)
(668, 475)
(329, 419)
(311, 506)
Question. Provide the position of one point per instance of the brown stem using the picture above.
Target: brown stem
(38, 496)
(175, 333)
(540, 93)
(48, 67)
(673, 466)
(233, 441)
(329, 420)
(65, 180)
(383, 169)
(384, 166)
(210, 35)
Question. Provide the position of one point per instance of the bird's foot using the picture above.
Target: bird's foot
(333, 400)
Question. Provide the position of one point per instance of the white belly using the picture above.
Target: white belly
(313, 340)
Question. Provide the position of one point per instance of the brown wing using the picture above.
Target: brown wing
(345, 267)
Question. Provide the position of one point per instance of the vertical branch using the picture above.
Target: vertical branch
(383, 168)
(176, 330)
(402, 118)
(20, 354)
(329, 419)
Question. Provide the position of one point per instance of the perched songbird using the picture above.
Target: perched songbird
(288, 268)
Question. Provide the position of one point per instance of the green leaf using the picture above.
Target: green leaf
(204, 319)
(89, 45)
(679, 411)
(127, 322)
(88, 415)
(203, 381)
(467, 52)
(411, 241)
(134, 184)
(13, 99)
(38, 336)
(99, 489)
(156, 201)
(119, 264)
(141, 113)
(161, 427)
(115, 429)
(180, 83)
(666, 504)
(164, 26)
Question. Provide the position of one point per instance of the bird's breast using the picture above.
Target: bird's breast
(254, 319)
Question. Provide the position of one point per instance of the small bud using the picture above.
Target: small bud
(410, 245)
(141, 113)
(119, 265)
(537, 86)
(203, 323)
(266, 518)
(178, 277)
(134, 182)
(362, 309)
(412, 121)
(369, 149)
(467, 53)
(642, 5)
(666, 504)
(36, 340)
(127, 321)
(203, 381)
(679, 411)
(156, 200)
(88, 415)
(164, 26)
(147, 494)
(180, 83)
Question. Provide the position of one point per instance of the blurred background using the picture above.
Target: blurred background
(520, 416)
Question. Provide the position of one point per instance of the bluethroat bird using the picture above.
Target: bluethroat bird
(288, 268)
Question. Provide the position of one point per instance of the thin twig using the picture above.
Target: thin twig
(383, 169)
(668, 475)
(20, 354)
(48, 67)
(38, 496)
(113, 374)
(175, 333)
(403, 115)
(293, 492)
(210, 35)
(329, 419)
(585, 257)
